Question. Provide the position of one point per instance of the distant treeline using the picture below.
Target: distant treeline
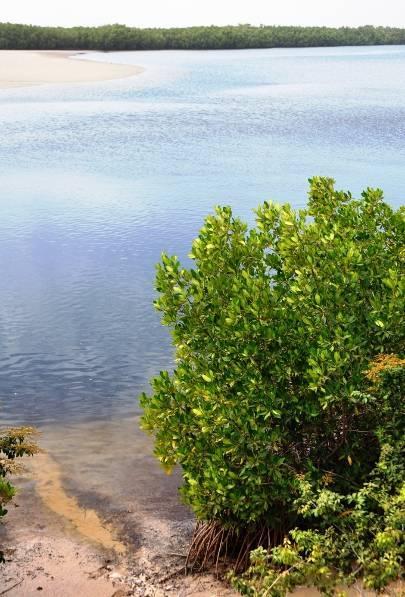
(120, 37)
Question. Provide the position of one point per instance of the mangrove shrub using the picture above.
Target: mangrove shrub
(273, 328)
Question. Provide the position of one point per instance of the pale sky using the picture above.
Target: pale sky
(171, 13)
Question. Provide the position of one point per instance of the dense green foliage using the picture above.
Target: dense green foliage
(119, 37)
(273, 329)
(14, 443)
(346, 538)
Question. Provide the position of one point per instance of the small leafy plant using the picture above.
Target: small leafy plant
(274, 327)
(14, 443)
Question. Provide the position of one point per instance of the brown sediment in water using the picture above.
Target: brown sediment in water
(49, 487)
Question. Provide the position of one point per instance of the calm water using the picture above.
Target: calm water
(96, 180)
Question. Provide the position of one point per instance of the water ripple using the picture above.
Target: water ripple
(97, 180)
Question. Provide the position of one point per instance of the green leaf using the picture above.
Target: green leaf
(207, 378)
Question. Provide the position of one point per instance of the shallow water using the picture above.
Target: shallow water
(96, 180)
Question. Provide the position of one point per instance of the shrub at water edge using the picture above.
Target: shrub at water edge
(14, 443)
(273, 328)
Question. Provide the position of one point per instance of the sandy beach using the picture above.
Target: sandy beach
(21, 68)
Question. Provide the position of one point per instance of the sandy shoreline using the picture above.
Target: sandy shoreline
(23, 68)
(55, 545)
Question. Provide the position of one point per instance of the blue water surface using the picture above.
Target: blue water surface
(96, 180)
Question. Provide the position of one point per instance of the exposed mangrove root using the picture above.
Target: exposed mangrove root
(213, 544)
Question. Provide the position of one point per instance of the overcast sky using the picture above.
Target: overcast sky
(171, 13)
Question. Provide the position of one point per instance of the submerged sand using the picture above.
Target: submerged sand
(21, 68)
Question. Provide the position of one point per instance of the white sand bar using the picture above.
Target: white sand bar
(21, 68)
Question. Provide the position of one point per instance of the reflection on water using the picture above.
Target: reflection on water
(96, 180)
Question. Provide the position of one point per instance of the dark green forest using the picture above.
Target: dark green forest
(121, 37)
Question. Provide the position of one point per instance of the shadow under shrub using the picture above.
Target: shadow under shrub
(273, 328)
